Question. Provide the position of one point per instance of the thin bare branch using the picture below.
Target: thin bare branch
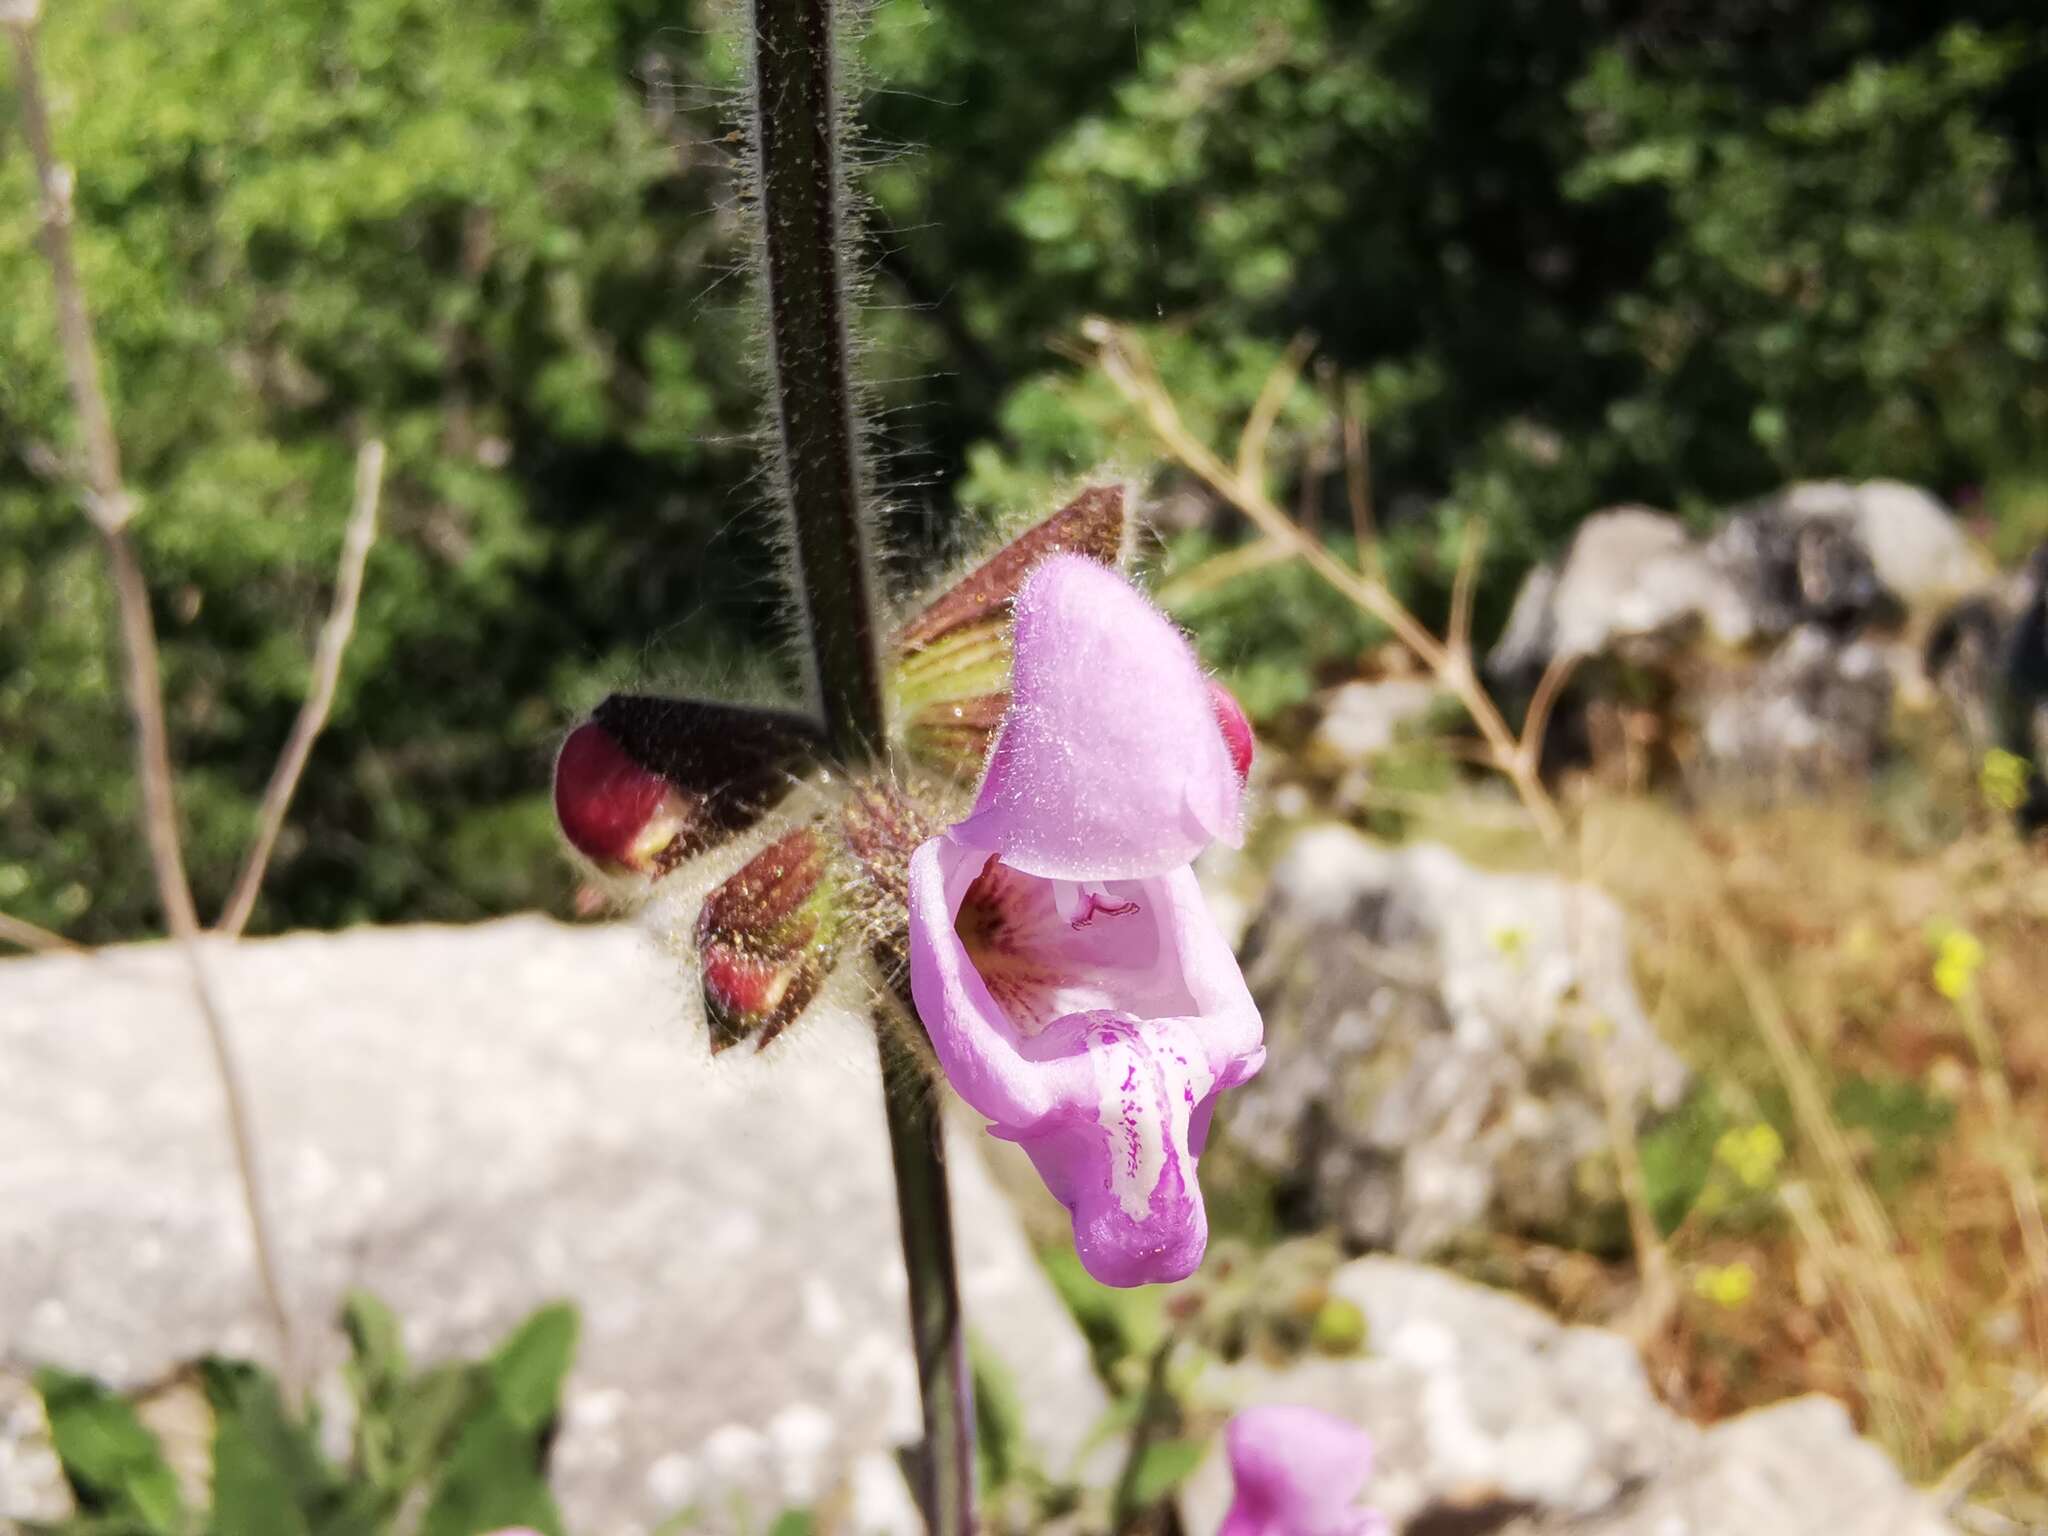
(1358, 476)
(1549, 689)
(109, 506)
(23, 934)
(1258, 427)
(1219, 570)
(312, 717)
(1125, 362)
(106, 501)
(1460, 632)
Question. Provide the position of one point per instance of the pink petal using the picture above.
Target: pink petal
(1299, 1472)
(1094, 1024)
(1112, 762)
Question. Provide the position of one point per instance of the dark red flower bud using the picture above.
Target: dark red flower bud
(613, 811)
(647, 782)
(769, 936)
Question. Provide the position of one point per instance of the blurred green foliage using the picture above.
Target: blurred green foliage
(457, 1449)
(1562, 255)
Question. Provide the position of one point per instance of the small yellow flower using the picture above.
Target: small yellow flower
(1958, 956)
(1752, 1153)
(1726, 1285)
(2002, 778)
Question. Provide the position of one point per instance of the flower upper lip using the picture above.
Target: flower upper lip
(1112, 762)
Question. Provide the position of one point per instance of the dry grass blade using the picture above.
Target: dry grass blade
(1883, 1381)
(2017, 1165)
(1954, 1485)
(109, 506)
(312, 716)
(1879, 1242)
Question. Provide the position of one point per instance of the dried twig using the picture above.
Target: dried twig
(1124, 361)
(327, 658)
(1549, 688)
(23, 934)
(1220, 570)
(1459, 631)
(110, 507)
(1258, 427)
(1358, 475)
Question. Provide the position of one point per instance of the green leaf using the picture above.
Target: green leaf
(376, 1375)
(430, 1417)
(526, 1373)
(492, 1480)
(792, 1522)
(269, 1478)
(111, 1460)
(1162, 1468)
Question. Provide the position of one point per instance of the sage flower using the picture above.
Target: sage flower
(1298, 1472)
(1073, 982)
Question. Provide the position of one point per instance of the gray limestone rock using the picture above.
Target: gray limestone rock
(1914, 544)
(1633, 583)
(1437, 1034)
(1489, 1417)
(1818, 708)
(469, 1122)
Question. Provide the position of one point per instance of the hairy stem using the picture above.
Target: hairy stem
(798, 119)
(110, 506)
(797, 124)
(938, 1333)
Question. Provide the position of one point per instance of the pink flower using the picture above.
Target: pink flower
(1074, 985)
(1299, 1472)
(1113, 762)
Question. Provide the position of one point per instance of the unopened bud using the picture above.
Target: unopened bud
(768, 938)
(613, 811)
(954, 735)
(647, 782)
(952, 677)
(1092, 524)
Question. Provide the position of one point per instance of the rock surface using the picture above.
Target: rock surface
(472, 1121)
(1489, 1418)
(1817, 708)
(1632, 581)
(1915, 546)
(1796, 591)
(1362, 720)
(1437, 1037)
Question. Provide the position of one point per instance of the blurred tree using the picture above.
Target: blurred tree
(462, 228)
(1568, 252)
